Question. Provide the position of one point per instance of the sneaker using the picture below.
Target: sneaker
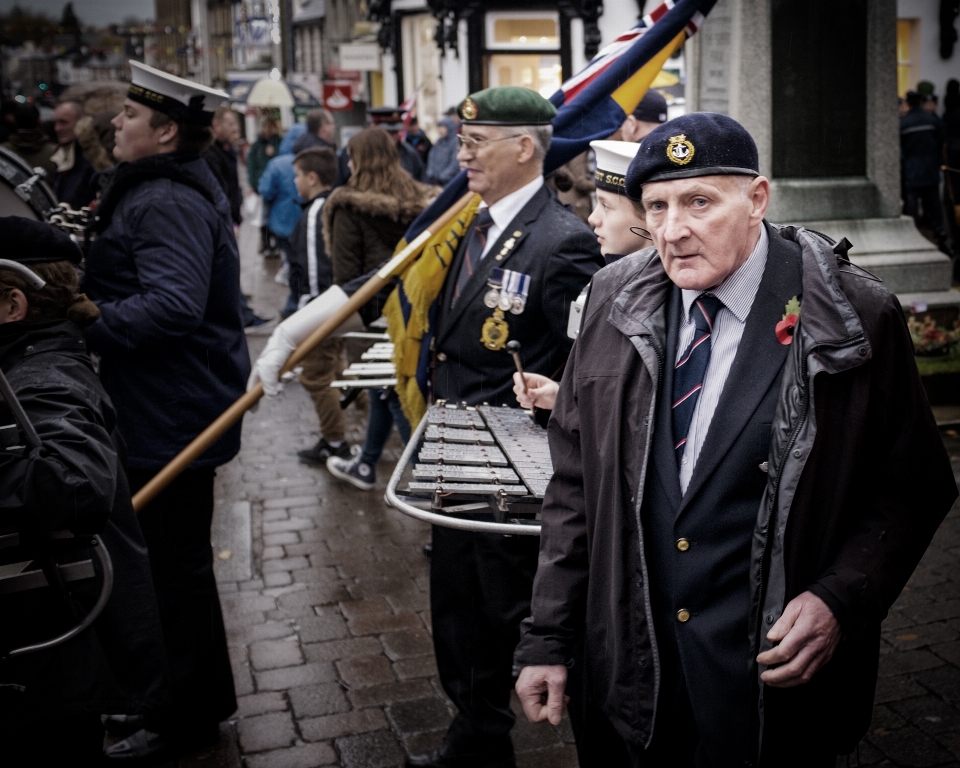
(255, 321)
(356, 472)
(323, 451)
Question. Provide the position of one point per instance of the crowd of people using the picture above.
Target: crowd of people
(746, 469)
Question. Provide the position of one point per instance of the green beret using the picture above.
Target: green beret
(507, 105)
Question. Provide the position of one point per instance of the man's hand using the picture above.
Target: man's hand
(541, 391)
(808, 634)
(541, 692)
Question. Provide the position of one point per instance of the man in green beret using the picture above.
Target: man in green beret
(518, 269)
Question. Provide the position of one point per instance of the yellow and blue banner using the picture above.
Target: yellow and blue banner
(591, 105)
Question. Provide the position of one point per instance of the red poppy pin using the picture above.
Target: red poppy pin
(785, 327)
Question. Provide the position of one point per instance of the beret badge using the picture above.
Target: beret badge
(679, 150)
(469, 109)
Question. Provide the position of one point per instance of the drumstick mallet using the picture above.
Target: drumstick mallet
(513, 347)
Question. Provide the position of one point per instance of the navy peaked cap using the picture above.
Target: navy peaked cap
(697, 144)
(36, 242)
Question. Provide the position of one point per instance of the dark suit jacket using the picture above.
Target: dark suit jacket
(561, 255)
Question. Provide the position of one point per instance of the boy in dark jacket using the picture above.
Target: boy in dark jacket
(311, 273)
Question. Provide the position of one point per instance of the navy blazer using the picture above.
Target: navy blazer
(560, 254)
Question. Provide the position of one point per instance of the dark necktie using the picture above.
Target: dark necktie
(476, 242)
(691, 369)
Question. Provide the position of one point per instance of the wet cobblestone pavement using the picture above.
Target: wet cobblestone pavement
(328, 618)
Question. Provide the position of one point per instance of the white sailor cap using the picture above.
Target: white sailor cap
(183, 100)
(613, 160)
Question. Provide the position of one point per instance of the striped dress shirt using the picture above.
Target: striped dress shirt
(737, 293)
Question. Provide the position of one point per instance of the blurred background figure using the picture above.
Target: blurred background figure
(363, 221)
(442, 164)
(921, 147)
(261, 152)
(418, 140)
(321, 131)
(650, 112)
(30, 142)
(73, 183)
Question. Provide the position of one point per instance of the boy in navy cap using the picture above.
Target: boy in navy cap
(746, 470)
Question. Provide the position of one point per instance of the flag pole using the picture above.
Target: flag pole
(246, 401)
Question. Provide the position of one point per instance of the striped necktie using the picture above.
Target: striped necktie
(691, 369)
(475, 245)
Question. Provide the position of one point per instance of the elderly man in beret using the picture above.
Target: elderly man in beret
(746, 474)
(520, 266)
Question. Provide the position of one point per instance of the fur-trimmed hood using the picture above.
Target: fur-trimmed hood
(374, 204)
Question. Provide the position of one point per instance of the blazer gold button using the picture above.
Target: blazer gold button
(442, 357)
(683, 545)
(683, 615)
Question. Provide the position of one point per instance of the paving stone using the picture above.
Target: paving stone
(378, 749)
(358, 609)
(294, 524)
(289, 677)
(272, 654)
(341, 649)
(419, 666)
(931, 611)
(365, 670)
(376, 625)
(412, 601)
(949, 652)
(344, 724)
(280, 539)
(314, 700)
(563, 756)
(943, 681)
(928, 713)
(279, 579)
(908, 661)
(381, 695)
(921, 635)
(270, 630)
(264, 732)
(286, 503)
(272, 553)
(910, 747)
(403, 645)
(260, 703)
(315, 629)
(885, 719)
(307, 756)
(284, 564)
(423, 742)
(411, 717)
(895, 688)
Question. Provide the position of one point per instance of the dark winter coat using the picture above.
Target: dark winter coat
(858, 482)
(165, 273)
(222, 159)
(75, 482)
(921, 145)
(311, 271)
(362, 229)
(74, 186)
(310, 141)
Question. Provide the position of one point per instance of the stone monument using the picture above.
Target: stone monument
(815, 83)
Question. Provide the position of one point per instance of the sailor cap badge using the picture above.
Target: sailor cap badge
(469, 109)
(679, 150)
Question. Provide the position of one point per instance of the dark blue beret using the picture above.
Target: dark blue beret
(698, 144)
(35, 242)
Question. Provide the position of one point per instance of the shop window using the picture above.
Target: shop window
(523, 48)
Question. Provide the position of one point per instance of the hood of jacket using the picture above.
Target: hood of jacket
(374, 204)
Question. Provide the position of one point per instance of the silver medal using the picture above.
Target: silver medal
(505, 301)
(517, 305)
(491, 298)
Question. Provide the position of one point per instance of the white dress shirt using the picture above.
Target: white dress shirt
(506, 208)
(737, 293)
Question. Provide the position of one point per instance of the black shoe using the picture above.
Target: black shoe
(256, 320)
(449, 757)
(323, 451)
(122, 726)
(148, 748)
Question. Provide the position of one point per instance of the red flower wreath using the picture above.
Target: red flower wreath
(791, 317)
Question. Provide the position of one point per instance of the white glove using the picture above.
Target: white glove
(267, 368)
(293, 331)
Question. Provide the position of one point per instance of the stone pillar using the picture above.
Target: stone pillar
(795, 76)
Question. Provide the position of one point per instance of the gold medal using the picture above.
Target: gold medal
(495, 331)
